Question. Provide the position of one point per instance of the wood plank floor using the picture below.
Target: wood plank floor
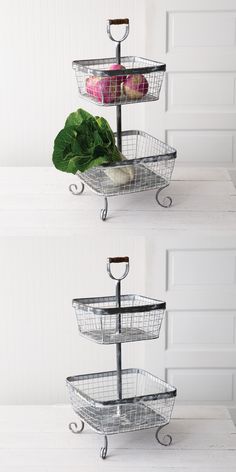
(38, 202)
(37, 439)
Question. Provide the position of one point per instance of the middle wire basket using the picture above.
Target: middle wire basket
(147, 401)
(140, 318)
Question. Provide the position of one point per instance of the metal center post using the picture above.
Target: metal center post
(110, 22)
(118, 107)
(118, 345)
(118, 260)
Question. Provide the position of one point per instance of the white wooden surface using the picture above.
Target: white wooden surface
(37, 201)
(37, 439)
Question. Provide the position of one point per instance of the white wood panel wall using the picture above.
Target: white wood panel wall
(39, 40)
(39, 340)
(197, 115)
(197, 109)
(200, 338)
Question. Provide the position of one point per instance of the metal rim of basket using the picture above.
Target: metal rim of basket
(82, 303)
(149, 397)
(170, 154)
(82, 66)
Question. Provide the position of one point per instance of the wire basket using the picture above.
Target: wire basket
(147, 401)
(139, 318)
(149, 165)
(139, 81)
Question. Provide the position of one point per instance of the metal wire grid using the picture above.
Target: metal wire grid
(147, 401)
(136, 324)
(150, 165)
(108, 87)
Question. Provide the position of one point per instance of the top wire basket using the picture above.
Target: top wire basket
(138, 318)
(140, 81)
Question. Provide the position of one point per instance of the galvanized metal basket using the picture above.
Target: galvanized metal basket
(149, 163)
(147, 401)
(139, 81)
(140, 318)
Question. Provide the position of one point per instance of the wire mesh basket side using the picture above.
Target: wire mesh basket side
(133, 413)
(135, 326)
(137, 144)
(104, 87)
(151, 166)
(140, 177)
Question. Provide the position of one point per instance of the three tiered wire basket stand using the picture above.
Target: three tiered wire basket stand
(122, 400)
(148, 162)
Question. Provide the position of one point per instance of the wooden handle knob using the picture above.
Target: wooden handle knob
(117, 260)
(119, 21)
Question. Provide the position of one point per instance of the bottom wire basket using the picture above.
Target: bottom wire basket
(149, 163)
(147, 401)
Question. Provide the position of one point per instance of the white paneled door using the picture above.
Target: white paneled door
(197, 349)
(197, 113)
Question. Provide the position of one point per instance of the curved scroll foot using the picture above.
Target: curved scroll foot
(73, 427)
(166, 440)
(166, 202)
(103, 213)
(74, 189)
(103, 451)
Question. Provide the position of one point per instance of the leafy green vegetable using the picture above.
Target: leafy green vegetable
(84, 142)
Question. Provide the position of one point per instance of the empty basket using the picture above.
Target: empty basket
(137, 319)
(147, 401)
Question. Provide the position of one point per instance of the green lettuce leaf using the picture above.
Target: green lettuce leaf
(84, 142)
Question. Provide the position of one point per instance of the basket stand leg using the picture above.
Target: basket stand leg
(165, 202)
(74, 189)
(103, 213)
(103, 451)
(73, 427)
(166, 440)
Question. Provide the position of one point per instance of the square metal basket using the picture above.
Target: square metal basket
(147, 401)
(140, 81)
(139, 318)
(150, 161)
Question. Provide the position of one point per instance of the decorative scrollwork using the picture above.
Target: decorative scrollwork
(166, 440)
(74, 189)
(103, 213)
(73, 427)
(103, 451)
(166, 202)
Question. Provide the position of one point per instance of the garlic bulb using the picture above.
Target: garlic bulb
(120, 175)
